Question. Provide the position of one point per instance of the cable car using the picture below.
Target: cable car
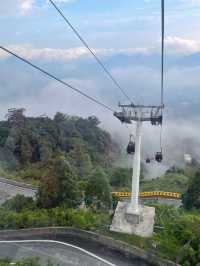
(156, 120)
(131, 146)
(159, 157)
(148, 160)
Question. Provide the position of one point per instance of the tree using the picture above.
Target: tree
(98, 190)
(81, 161)
(58, 185)
(121, 177)
(19, 203)
(26, 149)
(191, 199)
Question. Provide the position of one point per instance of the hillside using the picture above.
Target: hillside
(170, 182)
(27, 143)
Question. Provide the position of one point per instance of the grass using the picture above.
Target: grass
(169, 182)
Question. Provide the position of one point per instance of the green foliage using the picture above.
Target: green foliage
(58, 185)
(175, 170)
(98, 190)
(169, 182)
(191, 197)
(19, 203)
(121, 178)
(80, 159)
(31, 140)
(179, 235)
(29, 261)
(79, 218)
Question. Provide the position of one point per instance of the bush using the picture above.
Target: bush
(29, 261)
(83, 219)
(19, 203)
(179, 239)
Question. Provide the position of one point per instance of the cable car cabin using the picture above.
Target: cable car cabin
(156, 120)
(148, 160)
(159, 157)
(131, 147)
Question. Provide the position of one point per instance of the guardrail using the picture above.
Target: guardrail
(150, 194)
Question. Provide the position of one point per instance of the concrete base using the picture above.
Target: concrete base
(141, 224)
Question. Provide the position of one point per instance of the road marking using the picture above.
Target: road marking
(61, 243)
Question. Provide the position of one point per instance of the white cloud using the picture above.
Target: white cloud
(173, 45)
(26, 5)
(64, 1)
(179, 45)
(16, 7)
(23, 7)
(191, 2)
(50, 54)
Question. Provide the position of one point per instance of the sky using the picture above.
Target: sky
(125, 34)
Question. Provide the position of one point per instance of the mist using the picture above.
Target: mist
(40, 95)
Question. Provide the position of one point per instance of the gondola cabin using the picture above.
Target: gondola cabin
(159, 157)
(131, 147)
(148, 160)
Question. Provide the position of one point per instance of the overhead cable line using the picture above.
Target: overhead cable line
(162, 62)
(57, 79)
(130, 133)
(91, 51)
(162, 49)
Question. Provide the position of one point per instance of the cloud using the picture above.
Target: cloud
(51, 54)
(16, 7)
(48, 54)
(173, 45)
(26, 5)
(23, 7)
(179, 45)
(65, 1)
(190, 2)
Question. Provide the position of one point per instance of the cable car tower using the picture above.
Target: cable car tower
(143, 113)
(139, 114)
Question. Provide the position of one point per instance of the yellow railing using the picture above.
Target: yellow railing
(150, 194)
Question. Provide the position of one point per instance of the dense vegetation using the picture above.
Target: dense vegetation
(14, 214)
(176, 237)
(29, 261)
(65, 156)
(169, 182)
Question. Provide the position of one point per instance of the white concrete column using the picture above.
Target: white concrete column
(133, 207)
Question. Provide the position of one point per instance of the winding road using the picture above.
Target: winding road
(9, 189)
(59, 253)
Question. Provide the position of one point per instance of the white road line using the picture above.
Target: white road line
(61, 243)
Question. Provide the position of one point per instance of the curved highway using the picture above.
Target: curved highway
(59, 253)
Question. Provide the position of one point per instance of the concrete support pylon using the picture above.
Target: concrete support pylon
(133, 206)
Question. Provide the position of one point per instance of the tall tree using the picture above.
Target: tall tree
(81, 160)
(98, 190)
(191, 199)
(58, 185)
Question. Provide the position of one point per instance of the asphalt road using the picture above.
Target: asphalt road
(58, 253)
(9, 190)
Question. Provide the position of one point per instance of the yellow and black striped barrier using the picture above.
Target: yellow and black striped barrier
(150, 194)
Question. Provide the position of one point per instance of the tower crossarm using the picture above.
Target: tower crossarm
(144, 113)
